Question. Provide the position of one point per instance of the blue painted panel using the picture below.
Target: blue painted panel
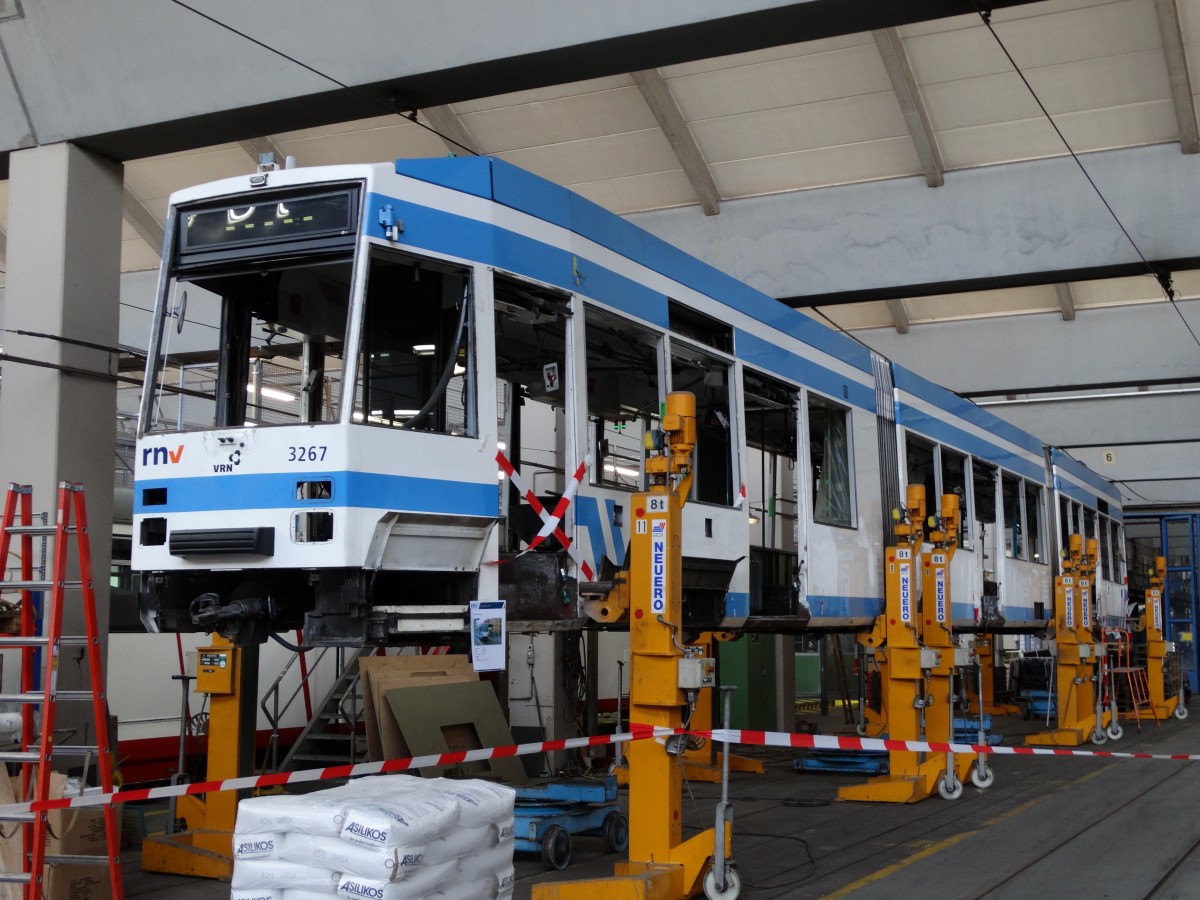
(737, 605)
(469, 174)
(773, 358)
(942, 398)
(368, 490)
(827, 607)
(587, 518)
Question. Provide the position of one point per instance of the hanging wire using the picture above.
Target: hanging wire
(1163, 278)
(410, 115)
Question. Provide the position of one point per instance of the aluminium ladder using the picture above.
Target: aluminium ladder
(38, 752)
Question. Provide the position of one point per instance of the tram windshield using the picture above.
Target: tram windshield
(261, 346)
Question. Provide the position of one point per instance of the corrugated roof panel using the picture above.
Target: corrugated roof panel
(771, 54)
(599, 158)
(868, 117)
(891, 158)
(541, 95)
(655, 190)
(619, 110)
(781, 83)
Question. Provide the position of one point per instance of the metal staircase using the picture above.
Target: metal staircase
(334, 735)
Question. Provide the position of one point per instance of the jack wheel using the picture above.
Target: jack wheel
(1181, 712)
(616, 833)
(861, 727)
(950, 793)
(1099, 737)
(556, 848)
(733, 885)
(983, 776)
(1114, 731)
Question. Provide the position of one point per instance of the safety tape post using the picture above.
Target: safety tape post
(790, 740)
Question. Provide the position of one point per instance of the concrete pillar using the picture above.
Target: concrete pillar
(63, 279)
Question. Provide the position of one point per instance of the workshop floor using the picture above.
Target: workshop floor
(1060, 827)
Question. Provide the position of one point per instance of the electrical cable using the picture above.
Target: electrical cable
(1163, 278)
(390, 108)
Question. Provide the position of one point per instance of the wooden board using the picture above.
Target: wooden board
(445, 718)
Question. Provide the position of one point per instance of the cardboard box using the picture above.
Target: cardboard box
(380, 674)
(78, 832)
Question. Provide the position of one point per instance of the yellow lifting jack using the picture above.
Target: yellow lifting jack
(1077, 658)
(1157, 648)
(229, 675)
(661, 864)
(919, 659)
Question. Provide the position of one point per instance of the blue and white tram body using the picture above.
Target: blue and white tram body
(338, 353)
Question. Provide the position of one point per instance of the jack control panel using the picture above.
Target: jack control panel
(697, 672)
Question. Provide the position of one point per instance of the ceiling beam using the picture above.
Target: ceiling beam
(912, 105)
(450, 128)
(1066, 300)
(899, 315)
(1177, 70)
(256, 147)
(670, 119)
(141, 220)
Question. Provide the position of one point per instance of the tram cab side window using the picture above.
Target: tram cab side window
(983, 478)
(707, 377)
(623, 398)
(416, 361)
(829, 455)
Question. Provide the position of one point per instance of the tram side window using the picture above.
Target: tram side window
(1033, 522)
(1089, 529)
(707, 377)
(1118, 550)
(829, 455)
(1105, 548)
(954, 481)
(920, 463)
(770, 460)
(1014, 533)
(622, 397)
(415, 365)
(983, 482)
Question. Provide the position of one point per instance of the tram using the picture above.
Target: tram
(345, 362)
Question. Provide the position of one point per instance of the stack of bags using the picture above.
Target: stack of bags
(391, 837)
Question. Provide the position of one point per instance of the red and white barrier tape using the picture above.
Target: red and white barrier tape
(637, 732)
(552, 520)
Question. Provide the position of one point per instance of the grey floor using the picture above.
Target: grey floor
(1059, 827)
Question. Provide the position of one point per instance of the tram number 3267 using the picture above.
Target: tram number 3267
(314, 453)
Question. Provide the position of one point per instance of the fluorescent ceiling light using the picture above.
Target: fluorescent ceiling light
(423, 349)
(272, 393)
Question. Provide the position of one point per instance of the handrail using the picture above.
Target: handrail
(275, 715)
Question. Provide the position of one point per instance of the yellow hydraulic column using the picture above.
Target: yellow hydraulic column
(1157, 649)
(229, 675)
(660, 864)
(1076, 658)
(945, 658)
(894, 643)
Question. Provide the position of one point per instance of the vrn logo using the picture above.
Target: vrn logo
(161, 456)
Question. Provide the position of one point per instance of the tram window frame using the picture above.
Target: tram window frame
(771, 427)
(921, 459)
(1104, 543)
(714, 458)
(845, 482)
(440, 398)
(1034, 518)
(949, 486)
(607, 338)
(1015, 545)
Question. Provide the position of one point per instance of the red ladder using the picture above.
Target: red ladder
(37, 753)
